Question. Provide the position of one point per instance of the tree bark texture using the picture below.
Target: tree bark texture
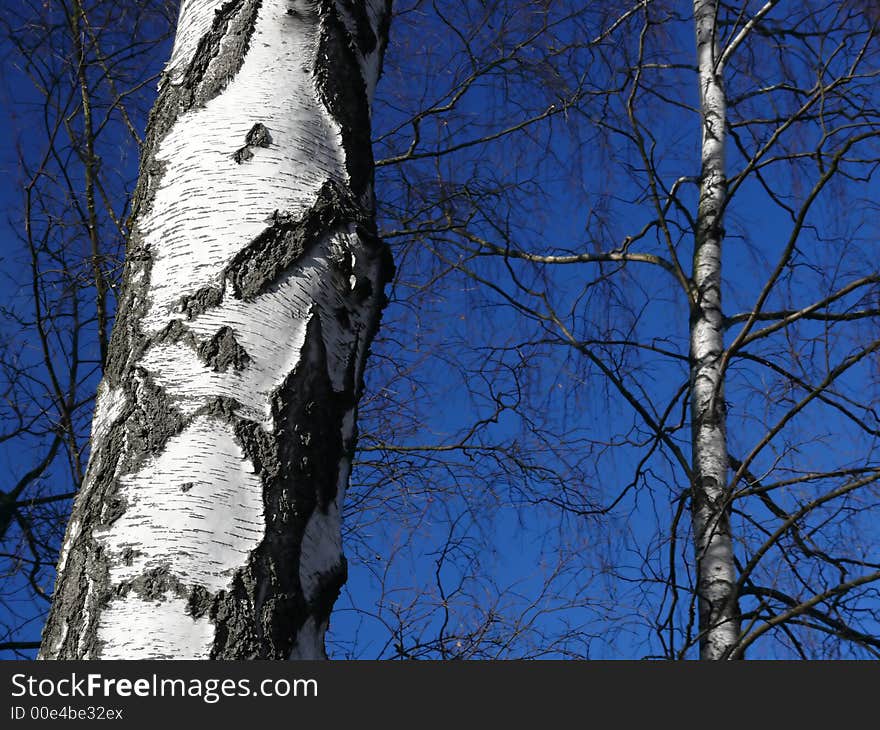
(713, 543)
(209, 522)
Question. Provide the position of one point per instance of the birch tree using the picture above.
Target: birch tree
(716, 456)
(713, 546)
(208, 522)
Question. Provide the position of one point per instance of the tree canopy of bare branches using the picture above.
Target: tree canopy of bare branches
(632, 337)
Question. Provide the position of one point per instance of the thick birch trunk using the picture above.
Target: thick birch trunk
(716, 571)
(208, 526)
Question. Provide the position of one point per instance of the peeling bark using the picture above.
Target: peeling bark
(713, 543)
(209, 522)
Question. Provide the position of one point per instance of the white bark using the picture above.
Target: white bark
(209, 524)
(716, 571)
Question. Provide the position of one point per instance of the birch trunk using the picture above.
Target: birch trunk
(209, 522)
(716, 570)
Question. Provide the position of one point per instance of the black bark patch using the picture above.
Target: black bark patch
(258, 266)
(363, 288)
(128, 555)
(222, 50)
(222, 351)
(152, 585)
(153, 421)
(221, 407)
(299, 469)
(307, 410)
(175, 331)
(200, 301)
(365, 37)
(260, 448)
(242, 155)
(343, 92)
(114, 508)
(342, 316)
(257, 137)
(199, 602)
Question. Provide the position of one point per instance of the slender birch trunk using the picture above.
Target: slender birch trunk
(209, 522)
(716, 571)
